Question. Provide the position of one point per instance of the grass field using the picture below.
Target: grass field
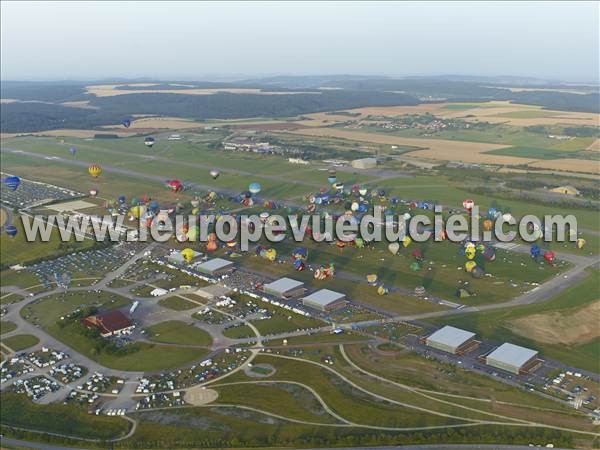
(18, 411)
(20, 342)
(530, 152)
(497, 324)
(18, 250)
(7, 326)
(177, 303)
(177, 332)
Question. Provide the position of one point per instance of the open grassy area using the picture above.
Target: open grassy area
(177, 303)
(532, 152)
(18, 411)
(7, 326)
(177, 332)
(493, 324)
(18, 250)
(20, 342)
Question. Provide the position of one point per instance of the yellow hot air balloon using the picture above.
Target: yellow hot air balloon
(188, 254)
(271, 254)
(406, 241)
(470, 252)
(95, 170)
(382, 290)
(580, 243)
(470, 265)
(137, 211)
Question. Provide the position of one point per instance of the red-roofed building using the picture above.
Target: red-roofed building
(110, 323)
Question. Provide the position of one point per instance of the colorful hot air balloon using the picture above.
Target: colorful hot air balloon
(254, 188)
(214, 173)
(470, 265)
(12, 182)
(95, 170)
(188, 254)
(174, 185)
(549, 256)
(372, 278)
(470, 252)
(149, 141)
(93, 192)
(126, 123)
(11, 230)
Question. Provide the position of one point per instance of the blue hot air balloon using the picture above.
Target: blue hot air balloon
(12, 182)
(11, 230)
(72, 151)
(254, 188)
(126, 123)
(331, 179)
(535, 251)
(121, 199)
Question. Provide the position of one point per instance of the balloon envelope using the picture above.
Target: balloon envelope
(12, 182)
(95, 170)
(214, 173)
(11, 230)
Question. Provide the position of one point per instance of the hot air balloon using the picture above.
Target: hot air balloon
(549, 256)
(11, 230)
(372, 278)
(507, 217)
(487, 224)
(214, 173)
(95, 170)
(535, 251)
(468, 204)
(174, 185)
(406, 241)
(188, 254)
(149, 141)
(93, 192)
(382, 290)
(126, 123)
(254, 188)
(271, 254)
(470, 252)
(580, 243)
(72, 151)
(12, 182)
(331, 179)
(420, 291)
(121, 199)
(363, 191)
(299, 265)
(415, 266)
(300, 253)
(470, 265)
(359, 242)
(394, 247)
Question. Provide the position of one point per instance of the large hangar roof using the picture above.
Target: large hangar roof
(451, 336)
(512, 354)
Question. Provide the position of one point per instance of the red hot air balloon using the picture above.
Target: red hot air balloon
(549, 256)
(174, 185)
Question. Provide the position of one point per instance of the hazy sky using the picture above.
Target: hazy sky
(186, 40)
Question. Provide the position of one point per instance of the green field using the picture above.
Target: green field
(491, 324)
(177, 332)
(531, 152)
(18, 250)
(7, 327)
(177, 303)
(18, 411)
(20, 342)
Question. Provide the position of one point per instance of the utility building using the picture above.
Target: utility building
(325, 300)
(216, 267)
(452, 340)
(285, 288)
(513, 358)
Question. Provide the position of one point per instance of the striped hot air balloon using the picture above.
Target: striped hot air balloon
(95, 170)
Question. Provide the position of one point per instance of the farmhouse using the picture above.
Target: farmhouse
(452, 340)
(285, 288)
(513, 358)
(111, 323)
(216, 267)
(364, 163)
(325, 300)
